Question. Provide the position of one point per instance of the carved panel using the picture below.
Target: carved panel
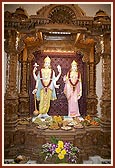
(24, 106)
(62, 14)
(92, 106)
(11, 109)
(106, 90)
(106, 147)
(28, 141)
(105, 110)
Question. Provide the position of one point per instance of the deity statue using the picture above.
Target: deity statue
(45, 86)
(73, 89)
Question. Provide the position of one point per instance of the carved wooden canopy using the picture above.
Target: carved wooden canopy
(57, 23)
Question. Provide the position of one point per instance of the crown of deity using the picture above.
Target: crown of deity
(74, 62)
(47, 59)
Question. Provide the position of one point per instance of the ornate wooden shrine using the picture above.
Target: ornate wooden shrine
(64, 33)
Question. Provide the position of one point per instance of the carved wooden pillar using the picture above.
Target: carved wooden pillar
(91, 78)
(106, 82)
(92, 97)
(11, 95)
(106, 98)
(106, 105)
(106, 88)
(24, 97)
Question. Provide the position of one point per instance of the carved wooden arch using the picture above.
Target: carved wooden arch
(73, 9)
(62, 14)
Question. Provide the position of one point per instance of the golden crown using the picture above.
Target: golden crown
(74, 62)
(47, 59)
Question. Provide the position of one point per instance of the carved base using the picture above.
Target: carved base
(27, 140)
(11, 110)
(10, 125)
(106, 125)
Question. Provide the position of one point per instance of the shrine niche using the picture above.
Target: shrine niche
(64, 33)
(60, 106)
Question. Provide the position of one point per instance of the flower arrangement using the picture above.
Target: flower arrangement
(62, 152)
(57, 119)
(90, 121)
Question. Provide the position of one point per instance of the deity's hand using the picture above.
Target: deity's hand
(35, 67)
(78, 97)
(59, 68)
(64, 78)
(34, 91)
(57, 86)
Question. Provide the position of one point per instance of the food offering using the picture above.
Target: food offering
(75, 123)
(56, 122)
(37, 121)
(42, 127)
(66, 128)
(54, 126)
(59, 122)
(57, 119)
(78, 126)
(90, 121)
(48, 120)
(72, 123)
(65, 122)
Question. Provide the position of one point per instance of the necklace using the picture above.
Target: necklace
(46, 86)
(73, 84)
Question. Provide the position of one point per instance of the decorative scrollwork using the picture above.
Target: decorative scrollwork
(62, 14)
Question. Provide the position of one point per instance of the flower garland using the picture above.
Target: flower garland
(74, 85)
(46, 86)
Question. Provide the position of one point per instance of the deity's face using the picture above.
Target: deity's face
(74, 67)
(47, 64)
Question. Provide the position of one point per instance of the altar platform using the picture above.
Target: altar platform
(27, 139)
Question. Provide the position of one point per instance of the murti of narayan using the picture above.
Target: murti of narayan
(45, 86)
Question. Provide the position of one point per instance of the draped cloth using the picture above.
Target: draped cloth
(45, 94)
(73, 94)
(45, 98)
